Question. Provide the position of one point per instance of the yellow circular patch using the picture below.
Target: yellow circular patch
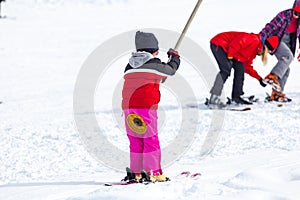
(136, 123)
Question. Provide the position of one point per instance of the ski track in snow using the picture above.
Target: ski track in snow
(42, 47)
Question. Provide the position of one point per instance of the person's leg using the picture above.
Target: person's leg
(136, 145)
(238, 80)
(284, 78)
(152, 156)
(136, 153)
(152, 151)
(225, 68)
(284, 56)
(280, 96)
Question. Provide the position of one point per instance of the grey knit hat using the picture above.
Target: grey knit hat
(146, 42)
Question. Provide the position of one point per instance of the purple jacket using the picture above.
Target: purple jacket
(278, 26)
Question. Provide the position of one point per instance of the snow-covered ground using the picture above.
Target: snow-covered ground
(43, 45)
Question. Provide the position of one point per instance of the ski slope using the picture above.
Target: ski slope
(43, 47)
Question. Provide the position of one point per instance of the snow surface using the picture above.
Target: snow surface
(43, 44)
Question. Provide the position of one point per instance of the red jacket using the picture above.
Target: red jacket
(141, 90)
(141, 84)
(242, 46)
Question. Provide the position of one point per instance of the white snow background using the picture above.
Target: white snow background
(43, 44)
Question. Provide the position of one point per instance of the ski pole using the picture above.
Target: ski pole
(0, 8)
(188, 24)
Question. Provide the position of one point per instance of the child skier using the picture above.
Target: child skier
(141, 95)
(237, 50)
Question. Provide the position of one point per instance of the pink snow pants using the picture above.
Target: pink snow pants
(145, 152)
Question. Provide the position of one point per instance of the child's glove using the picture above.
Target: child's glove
(173, 53)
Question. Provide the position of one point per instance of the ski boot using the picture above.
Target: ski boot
(272, 79)
(241, 100)
(278, 96)
(130, 177)
(160, 178)
(215, 100)
(146, 178)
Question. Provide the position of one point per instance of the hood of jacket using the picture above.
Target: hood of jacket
(139, 58)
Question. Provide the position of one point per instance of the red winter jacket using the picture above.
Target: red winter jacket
(141, 90)
(242, 46)
(141, 85)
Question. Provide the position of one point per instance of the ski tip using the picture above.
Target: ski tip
(185, 173)
(195, 175)
(240, 109)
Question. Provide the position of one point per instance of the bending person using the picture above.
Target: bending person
(237, 50)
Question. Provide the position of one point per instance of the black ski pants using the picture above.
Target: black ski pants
(225, 66)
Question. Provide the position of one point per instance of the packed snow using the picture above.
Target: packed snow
(43, 46)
